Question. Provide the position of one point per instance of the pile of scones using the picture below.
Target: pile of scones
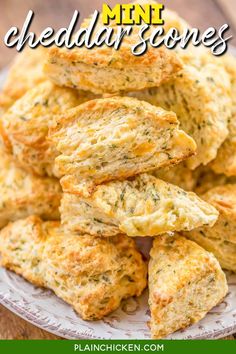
(99, 147)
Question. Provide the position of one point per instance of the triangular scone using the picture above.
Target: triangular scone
(142, 206)
(92, 274)
(114, 138)
(200, 96)
(185, 282)
(225, 161)
(25, 73)
(23, 194)
(24, 127)
(107, 70)
(223, 198)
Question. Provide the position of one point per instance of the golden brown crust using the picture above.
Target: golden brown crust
(107, 70)
(105, 56)
(142, 206)
(185, 282)
(24, 127)
(74, 267)
(23, 194)
(115, 138)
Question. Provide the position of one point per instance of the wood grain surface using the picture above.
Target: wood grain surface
(57, 13)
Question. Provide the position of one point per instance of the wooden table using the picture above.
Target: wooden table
(57, 13)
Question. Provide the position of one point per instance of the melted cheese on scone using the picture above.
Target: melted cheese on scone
(24, 127)
(114, 138)
(223, 198)
(92, 274)
(23, 194)
(200, 96)
(25, 72)
(185, 282)
(225, 161)
(143, 206)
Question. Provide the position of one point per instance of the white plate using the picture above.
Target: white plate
(45, 310)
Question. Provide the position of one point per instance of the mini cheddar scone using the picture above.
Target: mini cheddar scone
(142, 206)
(221, 238)
(25, 72)
(107, 70)
(200, 96)
(114, 138)
(92, 274)
(24, 127)
(185, 282)
(225, 161)
(23, 194)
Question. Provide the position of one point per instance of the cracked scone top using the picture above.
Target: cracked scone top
(141, 206)
(92, 274)
(114, 138)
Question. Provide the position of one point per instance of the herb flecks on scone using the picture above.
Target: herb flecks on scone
(185, 282)
(92, 274)
(140, 206)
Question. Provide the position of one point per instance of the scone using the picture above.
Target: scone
(25, 72)
(185, 282)
(107, 70)
(23, 194)
(114, 138)
(142, 206)
(24, 127)
(225, 161)
(180, 175)
(200, 96)
(92, 274)
(221, 238)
